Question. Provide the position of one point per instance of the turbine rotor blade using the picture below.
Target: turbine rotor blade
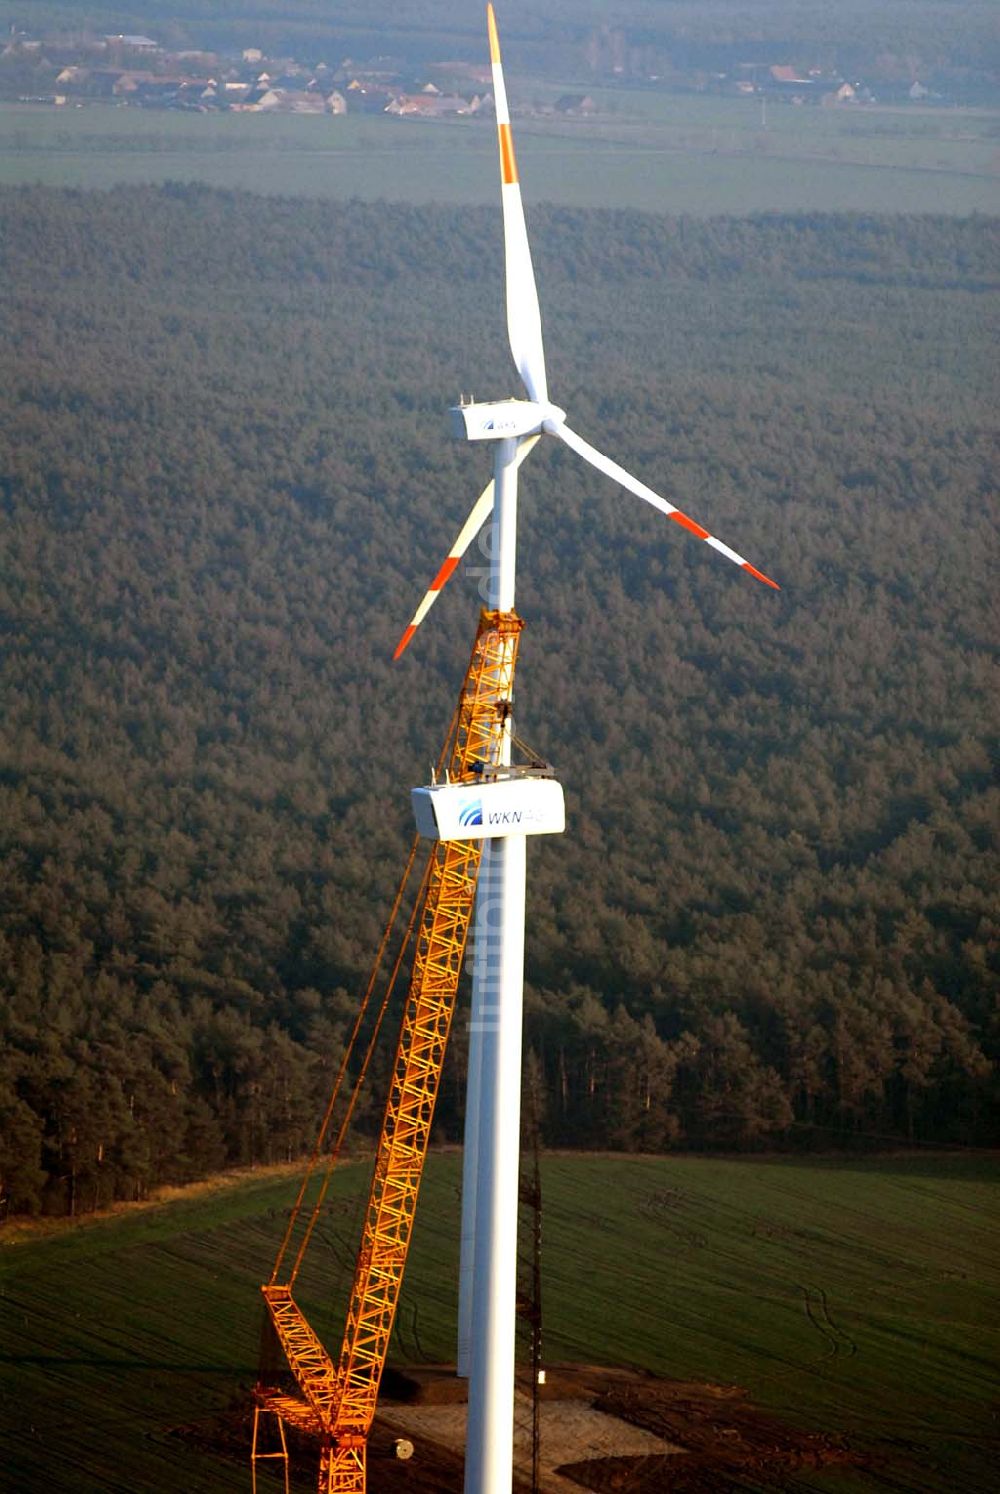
(524, 323)
(633, 485)
(477, 518)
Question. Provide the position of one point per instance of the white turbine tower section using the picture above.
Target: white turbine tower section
(490, 1179)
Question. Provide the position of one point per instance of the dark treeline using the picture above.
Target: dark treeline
(224, 481)
(897, 38)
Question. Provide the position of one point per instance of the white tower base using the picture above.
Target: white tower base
(470, 1145)
(489, 1445)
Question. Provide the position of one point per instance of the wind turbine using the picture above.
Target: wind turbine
(490, 1178)
(524, 421)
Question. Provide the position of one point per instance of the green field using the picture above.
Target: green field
(659, 153)
(858, 1297)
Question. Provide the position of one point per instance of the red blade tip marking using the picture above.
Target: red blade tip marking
(401, 645)
(445, 572)
(687, 523)
(760, 575)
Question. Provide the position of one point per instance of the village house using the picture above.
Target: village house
(134, 43)
(135, 69)
(95, 83)
(290, 101)
(432, 105)
(467, 73)
(575, 105)
(366, 97)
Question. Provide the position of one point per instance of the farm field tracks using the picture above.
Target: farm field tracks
(701, 157)
(855, 1299)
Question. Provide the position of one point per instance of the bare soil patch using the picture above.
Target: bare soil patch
(602, 1430)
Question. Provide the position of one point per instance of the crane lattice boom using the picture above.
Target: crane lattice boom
(336, 1402)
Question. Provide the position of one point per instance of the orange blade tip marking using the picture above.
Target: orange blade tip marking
(689, 524)
(760, 575)
(491, 26)
(508, 165)
(445, 572)
(401, 645)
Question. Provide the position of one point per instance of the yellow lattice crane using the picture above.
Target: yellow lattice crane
(334, 1401)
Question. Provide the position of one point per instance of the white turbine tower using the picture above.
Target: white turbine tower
(490, 1179)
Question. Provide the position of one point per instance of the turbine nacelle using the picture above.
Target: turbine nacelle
(496, 420)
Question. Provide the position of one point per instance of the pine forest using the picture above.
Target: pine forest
(226, 480)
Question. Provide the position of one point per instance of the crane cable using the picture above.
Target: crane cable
(335, 1150)
(349, 1050)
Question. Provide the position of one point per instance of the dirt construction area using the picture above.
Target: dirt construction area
(599, 1429)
